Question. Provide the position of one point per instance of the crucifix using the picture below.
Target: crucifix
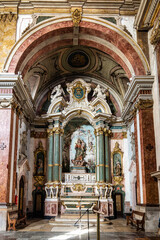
(2, 146)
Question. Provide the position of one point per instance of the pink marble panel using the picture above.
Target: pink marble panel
(5, 137)
(51, 208)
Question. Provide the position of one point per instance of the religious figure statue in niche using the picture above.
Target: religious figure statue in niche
(80, 148)
(57, 92)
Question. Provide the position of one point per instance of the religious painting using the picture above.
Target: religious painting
(117, 169)
(117, 161)
(78, 59)
(79, 145)
(82, 149)
(39, 164)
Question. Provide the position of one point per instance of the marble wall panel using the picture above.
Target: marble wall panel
(5, 137)
(148, 155)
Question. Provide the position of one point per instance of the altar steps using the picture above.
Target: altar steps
(74, 203)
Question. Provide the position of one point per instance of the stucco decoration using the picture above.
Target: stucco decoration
(79, 105)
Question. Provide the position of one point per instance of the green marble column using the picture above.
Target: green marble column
(50, 155)
(101, 155)
(97, 157)
(61, 150)
(107, 173)
(56, 161)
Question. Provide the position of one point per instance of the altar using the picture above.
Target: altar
(78, 157)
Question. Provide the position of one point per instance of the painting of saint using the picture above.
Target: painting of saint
(40, 164)
(117, 168)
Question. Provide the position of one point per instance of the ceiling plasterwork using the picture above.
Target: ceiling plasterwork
(76, 60)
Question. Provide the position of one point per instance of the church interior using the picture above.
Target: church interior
(80, 110)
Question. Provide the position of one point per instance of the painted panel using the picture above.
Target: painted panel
(83, 147)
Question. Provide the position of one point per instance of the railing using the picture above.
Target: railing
(79, 220)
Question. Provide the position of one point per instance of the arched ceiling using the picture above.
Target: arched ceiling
(48, 54)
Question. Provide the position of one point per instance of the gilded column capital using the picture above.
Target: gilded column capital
(58, 130)
(99, 131)
(107, 132)
(50, 132)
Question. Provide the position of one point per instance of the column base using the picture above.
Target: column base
(51, 207)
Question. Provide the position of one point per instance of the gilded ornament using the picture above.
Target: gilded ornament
(124, 134)
(39, 180)
(50, 132)
(78, 187)
(118, 180)
(155, 37)
(76, 17)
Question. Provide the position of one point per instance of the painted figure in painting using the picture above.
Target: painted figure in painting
(40, 169)
(80, 148)
(118, 169)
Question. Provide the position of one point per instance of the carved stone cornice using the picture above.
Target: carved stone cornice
(147, 12)
(14, 89)
(138, 95)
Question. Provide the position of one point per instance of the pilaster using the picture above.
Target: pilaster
(139, 105)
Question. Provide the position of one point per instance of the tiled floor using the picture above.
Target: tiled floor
(46, 230)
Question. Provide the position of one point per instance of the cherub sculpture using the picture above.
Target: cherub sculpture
(57, 92)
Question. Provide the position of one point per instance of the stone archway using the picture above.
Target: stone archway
(104, 36)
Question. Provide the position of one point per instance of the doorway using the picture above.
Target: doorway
(21, 197)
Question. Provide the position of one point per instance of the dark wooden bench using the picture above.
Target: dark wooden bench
(21, 219)
(12, 219)
(137, 219)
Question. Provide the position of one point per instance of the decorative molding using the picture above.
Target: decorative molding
(7, 16)
(146, 14)
(38, 134)
(19, 96)
(138, 96)
(5, 103)
(155, 36)
(76, 17)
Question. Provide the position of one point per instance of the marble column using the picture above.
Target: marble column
(56, 160)
(100, 155)
(61, 150)
(50, 155)
(107, 167)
